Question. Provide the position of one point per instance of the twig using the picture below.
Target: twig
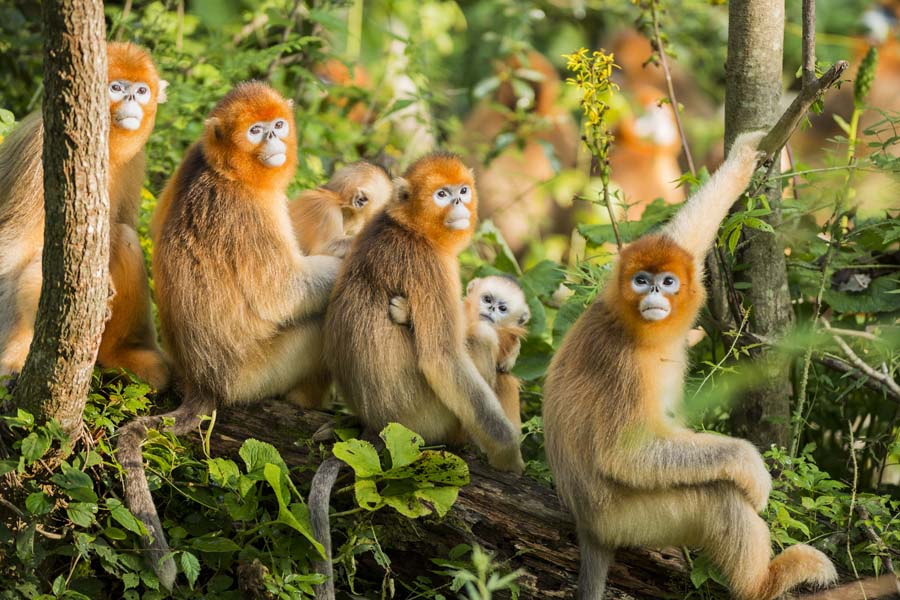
(874, 538)
(862, 365)
(595, 170)
(288, 29)
(784, 128)
(844, 367)
(657, 42)
(258, 22)
(852, 499)
(809, 43)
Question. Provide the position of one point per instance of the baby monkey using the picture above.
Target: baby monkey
(496, 314)
(326, 219)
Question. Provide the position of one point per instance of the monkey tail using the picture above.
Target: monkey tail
(137, 490)
(595, 561)
(319, 501)
(798, 564)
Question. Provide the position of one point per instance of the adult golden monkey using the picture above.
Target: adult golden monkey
(129, 338)
(240, 305)
(423, 377)
(630, 473)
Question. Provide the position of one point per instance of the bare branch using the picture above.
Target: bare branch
(809, 43)
(862, 365)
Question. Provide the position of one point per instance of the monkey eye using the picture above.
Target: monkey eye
(117, 89)
(442, 194)
(669, 282)
(143, 90)
(486, 298)
(503, 308)
(641, 280)
(464, 190)
(255, 130)
(279, 124)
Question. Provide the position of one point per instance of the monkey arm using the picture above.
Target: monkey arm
(694, 227)
(454, 379)
(654, 461)
(310, 287)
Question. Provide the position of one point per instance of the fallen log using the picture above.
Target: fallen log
(518, 519)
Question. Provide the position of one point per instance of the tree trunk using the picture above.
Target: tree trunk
(56, 376)
(752, 101)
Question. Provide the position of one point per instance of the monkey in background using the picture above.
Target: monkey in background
(422, 378)
(496, 314)
(629, 471)
(129, 337)
(326, 219)
(510, 183)
(240, 305)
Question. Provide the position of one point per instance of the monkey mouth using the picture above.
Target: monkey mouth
(457, 224)
(129, 123)
(654, 313)
(274, 160)
(486, 317)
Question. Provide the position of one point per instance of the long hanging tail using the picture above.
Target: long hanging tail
(795, 565)
(319, 501)
(137, 490)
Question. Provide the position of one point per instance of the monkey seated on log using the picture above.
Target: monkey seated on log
(326, 219)
(496, 313)
(129, 337)
(422, 378)
(241, 307)
(631, 474)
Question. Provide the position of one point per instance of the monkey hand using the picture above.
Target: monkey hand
(508, 458)
(399, 310)
(751, 476)
(745, 149)
(110, 296)
(507, 363)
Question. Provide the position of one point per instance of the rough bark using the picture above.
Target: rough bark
(752, 99)
(56, 376)
(515, 517)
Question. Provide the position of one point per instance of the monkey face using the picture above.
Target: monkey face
(268, 137)
(455, 201)
(497, 300)
(127, 102)
(655, 280)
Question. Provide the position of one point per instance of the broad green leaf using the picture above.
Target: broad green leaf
(39, 503)
(82, 513)
(223, 472)
(257, 454)
(214, 544)
(360, 455)
(367, 495)
(297, 517)
(121, 515)
(506, 260)
(404, 445)
(435, 466)
(544, 278)
(35, 445)
(190, 566)
(880, 296)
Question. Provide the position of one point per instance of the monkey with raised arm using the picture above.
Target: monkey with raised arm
(129, 337)
(241, 307)
(496, 313)
(326, 218)
(631, 473)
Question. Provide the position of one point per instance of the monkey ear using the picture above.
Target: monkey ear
(161, 96)
(472, 173)
(471, 285)
(213, 125)
(401, 189)
(290, 103)
(524, 318)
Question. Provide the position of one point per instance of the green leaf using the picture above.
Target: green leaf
(82, 513)
(297, 518)
(190, 566)
(544, 278)
(75, 483)
(121, 515)
(257, 454)
(505, 260)
(880, 296)
(367, 495)
(130, 580)
(114, 533)
(34, 446)
(360, 455)
(223, 472)
(39, 503)
(214, 544)
(403, 444)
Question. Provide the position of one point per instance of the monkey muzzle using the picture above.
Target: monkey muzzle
(459, 216)
(129, 115)
(654, 306)
(274, 152)
(487, 317)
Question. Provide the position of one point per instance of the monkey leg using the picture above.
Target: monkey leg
(129, 338)
(312, 392)
(291, 362)
(717, 518)
(20, 329)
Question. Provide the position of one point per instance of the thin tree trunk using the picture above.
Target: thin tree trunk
(752, 99)
(56, 376)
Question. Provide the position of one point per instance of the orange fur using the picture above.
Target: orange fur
(656, 254)
(127, 61)
(419, 213)
(226, 146)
